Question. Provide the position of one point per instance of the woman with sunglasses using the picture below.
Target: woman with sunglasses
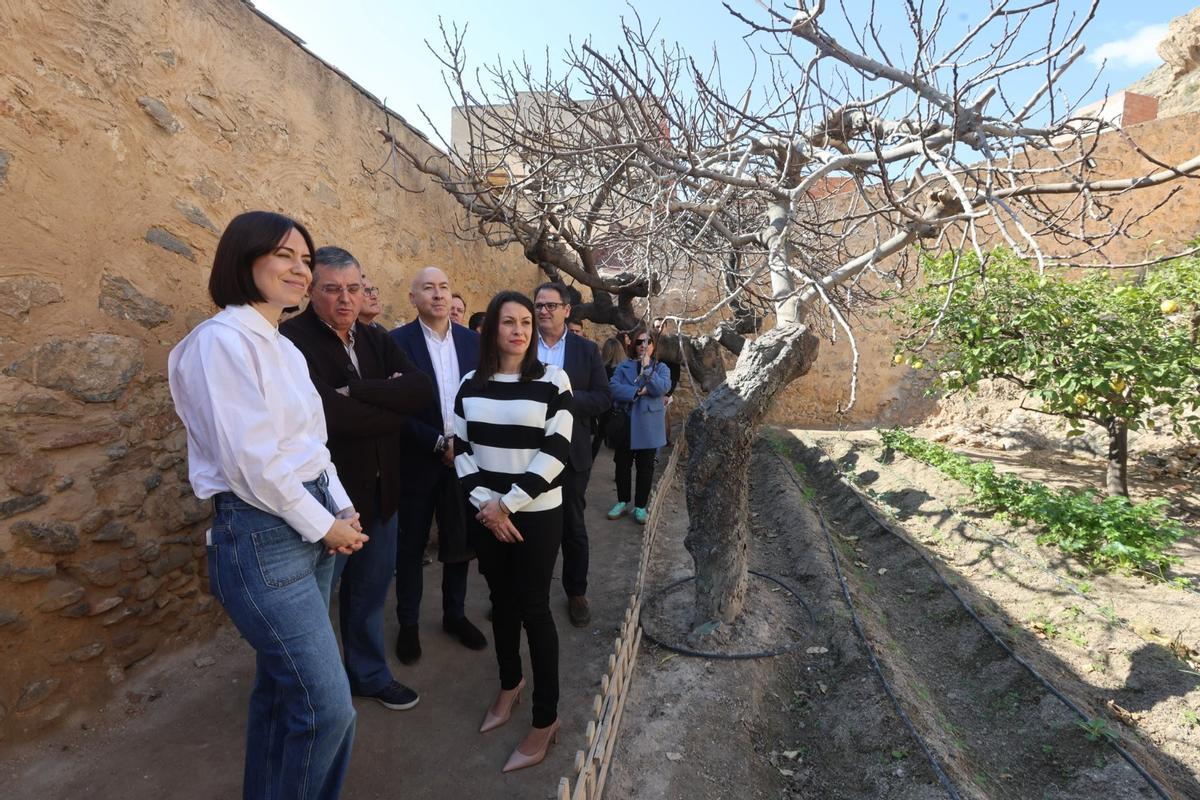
(512, 426)
(638, 387)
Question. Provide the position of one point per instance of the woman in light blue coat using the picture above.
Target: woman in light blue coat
(638, 387)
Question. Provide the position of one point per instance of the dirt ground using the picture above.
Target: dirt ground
(816, 721)
(177, 731)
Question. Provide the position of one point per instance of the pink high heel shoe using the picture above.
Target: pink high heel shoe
(533, 750)
(501, 710)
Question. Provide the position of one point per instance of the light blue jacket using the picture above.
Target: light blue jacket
(647, 430)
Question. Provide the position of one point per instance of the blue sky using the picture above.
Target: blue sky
(381, 43)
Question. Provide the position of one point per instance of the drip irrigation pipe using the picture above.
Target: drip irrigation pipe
(1125, 754)
(942, 777)
(687, 651)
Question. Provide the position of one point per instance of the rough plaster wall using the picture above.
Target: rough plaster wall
(130, 132)
(891, 395)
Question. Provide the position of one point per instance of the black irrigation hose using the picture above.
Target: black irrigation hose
(942, 777)
(720, 656)
(1155, 785)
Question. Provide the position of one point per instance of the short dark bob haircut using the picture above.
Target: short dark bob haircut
(631, 351)
(489, 345)
(247, 237)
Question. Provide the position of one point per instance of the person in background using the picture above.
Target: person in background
(476, 321)
(371, 309)
(428, 487)
(513, 427)
(256, 445)
(368, 387)
(638, 387)
(575, 326)
(612, 353)
(580, 358)
(458, 309)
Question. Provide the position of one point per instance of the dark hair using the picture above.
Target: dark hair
(564, 294)
(247, 237)
(651, 335)
(336, 257)
(489, 349)
(476, 319)
(460, 297)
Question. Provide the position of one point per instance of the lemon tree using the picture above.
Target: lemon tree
(1111, 349)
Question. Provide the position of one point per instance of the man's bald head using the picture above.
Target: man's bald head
(430, 295)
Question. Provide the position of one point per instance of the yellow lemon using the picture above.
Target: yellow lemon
(1169, 306)
(898, 359)
(917, 363)
(1118, 385)
(1081, 399)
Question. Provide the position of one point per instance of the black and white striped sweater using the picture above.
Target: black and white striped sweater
(513, 439)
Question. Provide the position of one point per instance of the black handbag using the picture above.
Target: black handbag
(616, 432)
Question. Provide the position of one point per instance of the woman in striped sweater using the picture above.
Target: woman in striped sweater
(512, 425)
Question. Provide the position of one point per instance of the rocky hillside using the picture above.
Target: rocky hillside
(1176, 82)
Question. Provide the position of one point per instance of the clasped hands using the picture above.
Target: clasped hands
(345, 536)
(493, 516)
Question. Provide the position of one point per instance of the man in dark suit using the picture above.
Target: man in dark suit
(367, 388)
(590, 396)
(429, 487)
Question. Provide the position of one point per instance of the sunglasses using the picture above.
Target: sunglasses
(641, 341)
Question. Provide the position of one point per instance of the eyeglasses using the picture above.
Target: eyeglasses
(371, 291)
(333, 290)
(548, 306)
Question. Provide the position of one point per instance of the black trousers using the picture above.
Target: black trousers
(518, 576)
(574, 531)
(415, 515)
(625, 460)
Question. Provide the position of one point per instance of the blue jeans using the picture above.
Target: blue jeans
(363, 582)
(275, 588)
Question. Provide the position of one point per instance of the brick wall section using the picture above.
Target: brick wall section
(1138, 108)
(130, 132)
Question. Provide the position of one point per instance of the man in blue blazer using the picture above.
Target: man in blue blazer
(445, 352)
(591, 396)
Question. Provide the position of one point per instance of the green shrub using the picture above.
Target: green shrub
(1105, 532)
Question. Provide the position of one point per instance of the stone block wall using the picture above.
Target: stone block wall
(130, 132)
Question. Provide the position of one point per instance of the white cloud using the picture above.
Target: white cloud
(1138, 50)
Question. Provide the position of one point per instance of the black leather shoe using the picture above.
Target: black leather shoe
(579, 611)
(465, 632)
(408, 644)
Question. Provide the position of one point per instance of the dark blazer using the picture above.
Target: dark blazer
(364, 428)
(419, 466)
(591, 394)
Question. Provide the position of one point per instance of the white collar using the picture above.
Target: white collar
(247, 317)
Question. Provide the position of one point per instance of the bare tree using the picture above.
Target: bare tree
(794, 202)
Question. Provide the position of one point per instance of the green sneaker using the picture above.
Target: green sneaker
(641, 515)
(618, 510)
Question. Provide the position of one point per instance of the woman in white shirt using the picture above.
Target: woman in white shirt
(256, 445)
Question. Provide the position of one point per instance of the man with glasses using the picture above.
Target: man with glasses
(368, 387)
(371, 308)
(591, 396)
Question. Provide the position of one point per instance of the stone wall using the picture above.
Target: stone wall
(130, 132)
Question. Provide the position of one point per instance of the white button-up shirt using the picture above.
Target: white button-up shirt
(445, 367)
(553, 356)
(255, 425)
